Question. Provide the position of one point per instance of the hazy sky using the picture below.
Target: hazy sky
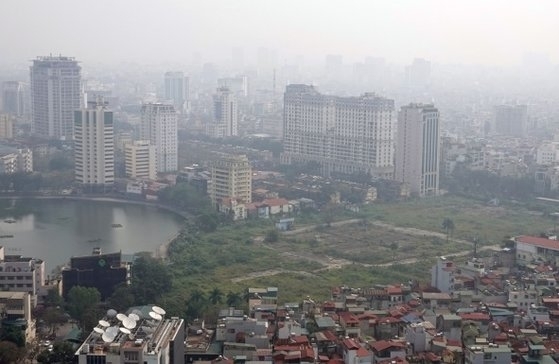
(169, 31)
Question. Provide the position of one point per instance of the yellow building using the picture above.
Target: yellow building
(231, 176)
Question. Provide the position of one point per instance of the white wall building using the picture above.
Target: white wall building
(341, 134)
(21, 274)
(442, 275)
(55, 94)
(547, 154)
(140, 160)
(177, 90)
(159, 126)
(94, 146)
(418, 149)
(13, 160)
(226, 114)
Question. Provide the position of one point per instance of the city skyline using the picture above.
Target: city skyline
(497, 32)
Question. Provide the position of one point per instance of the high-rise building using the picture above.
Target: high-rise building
(94, 146)
(140, 160)
(418, 74)
(238, 84)
(342, 134)
(231, 177)
(55, 95)
(177, 90)
(13, 97)
(418, 149)
(14, 160)
(159, 126)
(6, 126)
(511, 120)
(226, 114)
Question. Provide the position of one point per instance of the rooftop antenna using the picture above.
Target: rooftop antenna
(274, 83)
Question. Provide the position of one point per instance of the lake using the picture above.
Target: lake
(55, 230)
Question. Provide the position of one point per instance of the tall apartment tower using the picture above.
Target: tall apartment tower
(226, 114)
(177, 90)
(6, 126)
(231, 177)
(342, 134)
(418, 149)
(55, 95)
(511, 120)
(94, 146)
(140, 160)
(159, 126)
(14, 98)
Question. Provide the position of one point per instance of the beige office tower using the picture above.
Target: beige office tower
(55, 94)
(6, 126)
(94, 146)
(159, 126)
(140, 160)
(231, 177)
(418, 149)
(343, 135)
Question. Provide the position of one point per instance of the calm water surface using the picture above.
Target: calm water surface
(55, 230)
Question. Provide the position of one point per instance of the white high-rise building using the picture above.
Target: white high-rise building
(159, 126)
(55, 95)
(341, 134)
(226, 114)
(94, 146)
(418, 149)
(140, 160)
(177, 90)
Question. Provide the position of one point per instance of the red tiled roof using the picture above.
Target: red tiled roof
(394, 290)
(474, 316)
(382, 345)
(350, 344)
(537, 241)
(275, 201)
(388, 320)
(348, 317)
(362, 352)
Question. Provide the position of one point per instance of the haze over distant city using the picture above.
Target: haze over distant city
(141, 31)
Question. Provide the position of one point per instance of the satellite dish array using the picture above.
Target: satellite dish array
(109, 333)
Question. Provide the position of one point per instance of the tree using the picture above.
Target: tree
(82, 304)
(122, 298)
(216, 296)
(52, 317)
(150, 279)
(62, 352)
(272, 236)
(448, 227)
(233, 299)
(10, 352)
(394, 247)
(207, 222)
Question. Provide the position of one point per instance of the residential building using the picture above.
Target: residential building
(94, 146)
(531, 249)
(16, 310)
(226, 114)
(6, 126)
(159, 126)
(55, 95)
(238, 85)
(231, 177)
(418, 74)
(21, 274)
(14, 160)
(140, 160)
(343, 135)
(13, 97)
(511, 120)
(147, 340)
(487, 354)
(177, 90)
(417, 149)
(101, 271)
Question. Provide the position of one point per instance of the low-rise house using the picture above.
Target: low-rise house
(350, 324)
(387, 349)
(354, 353)
(436, 300)
(232, 207)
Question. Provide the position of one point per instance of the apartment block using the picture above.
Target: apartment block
(140, 160)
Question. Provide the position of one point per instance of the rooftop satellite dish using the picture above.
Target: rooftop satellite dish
(121, 317)
(124, 330)
(153, 315)
(108, 338)
(158, 310)
(137, 312)
(113, 330)
(134, 317)
(129, 323)
(111, 313)
(104, 323)
(98, 330)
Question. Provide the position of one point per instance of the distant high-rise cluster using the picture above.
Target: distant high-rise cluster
(226, 114)
(511, 120)
(342, 134)
(159, 126)
(14, 98)
(177, 91)
(55, 95)
(418, 149)
(94, 146)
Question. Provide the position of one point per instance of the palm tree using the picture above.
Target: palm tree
(233, 299)
(216, 296)
(448, 227)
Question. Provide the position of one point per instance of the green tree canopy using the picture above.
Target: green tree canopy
(150, 280)
(82, 305)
